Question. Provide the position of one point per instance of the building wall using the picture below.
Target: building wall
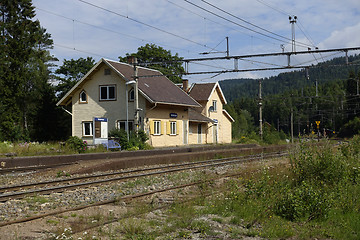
(162, 114)
(194, 137)
(112, 110)
(223, 125)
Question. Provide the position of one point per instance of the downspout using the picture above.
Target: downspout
(153, 107)
(67, 111)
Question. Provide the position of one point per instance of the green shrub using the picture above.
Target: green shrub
(120, 136)
(302, 201)
(77, 144)
(137, 140)
(318, 164)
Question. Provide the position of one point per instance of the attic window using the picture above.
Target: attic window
(107, 71)
(131, 95)
(214, 105)
(83, 97)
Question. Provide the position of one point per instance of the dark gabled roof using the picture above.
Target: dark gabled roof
(202, 91)
(155, 86)
(195, 116)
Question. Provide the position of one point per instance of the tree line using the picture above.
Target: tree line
(28, 99)
(334, 102)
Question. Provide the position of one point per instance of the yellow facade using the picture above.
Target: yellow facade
(165, 124)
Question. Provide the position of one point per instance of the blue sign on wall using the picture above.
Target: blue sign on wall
(173, 115)
(101, 120)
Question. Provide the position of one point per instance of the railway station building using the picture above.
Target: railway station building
(109, 96)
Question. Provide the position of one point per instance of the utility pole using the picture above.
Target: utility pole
(292, 125)
(133, 60)
(292, 20)
(260, 112)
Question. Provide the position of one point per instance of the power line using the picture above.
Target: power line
(212, 5)
(226, 19)
(252, 30)
(218, 22)
(145, 24)
(109, 30)
(274, 8)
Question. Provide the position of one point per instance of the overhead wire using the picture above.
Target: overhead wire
(179, 6)
(243, 20)
(250, 29)
(226, 19)
(145, 24)
(110, 30)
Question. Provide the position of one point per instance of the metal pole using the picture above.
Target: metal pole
(260, 112)
(136, 95)
(227, 47)
(292, 125)
(127, 112)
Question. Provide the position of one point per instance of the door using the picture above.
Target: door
(199, 133)
(185, 133)
(215, 133)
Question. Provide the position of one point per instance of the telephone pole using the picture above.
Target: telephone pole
(260, 112)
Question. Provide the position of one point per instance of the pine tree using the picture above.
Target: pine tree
(23, 67)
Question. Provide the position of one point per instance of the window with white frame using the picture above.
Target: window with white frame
(83, 97)
(214, 104)
(157, 127)
(173, 128)
(107, 93)
(87, 129)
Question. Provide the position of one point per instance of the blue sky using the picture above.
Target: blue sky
(183, 28)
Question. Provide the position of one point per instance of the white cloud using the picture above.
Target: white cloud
(330, 24)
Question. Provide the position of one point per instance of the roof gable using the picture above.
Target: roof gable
(203, 91)
(154, 86)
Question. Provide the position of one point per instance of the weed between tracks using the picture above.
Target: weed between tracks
(315, 195)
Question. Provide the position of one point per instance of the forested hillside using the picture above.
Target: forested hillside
(322, 73)
(292, 98)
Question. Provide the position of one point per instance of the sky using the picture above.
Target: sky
(112, 28)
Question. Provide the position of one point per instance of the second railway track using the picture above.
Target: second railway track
(46, 187)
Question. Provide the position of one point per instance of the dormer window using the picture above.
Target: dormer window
(107, 71)
(83, 97)
(131, 95)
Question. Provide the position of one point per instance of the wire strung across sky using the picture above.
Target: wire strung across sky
(208, 19)
(284, 39)
(145, 24)
(110, 30)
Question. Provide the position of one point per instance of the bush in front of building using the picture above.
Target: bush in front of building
(137, 140)
(77, 144)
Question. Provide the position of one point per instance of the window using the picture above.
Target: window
(214, 102)
(122, 124)
(87, 129)
(157, 127)
(107, 93)
(131, 95)
(83, 97)
(173, 128)
(107, 71)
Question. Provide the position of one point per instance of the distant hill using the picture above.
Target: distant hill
(323, 72)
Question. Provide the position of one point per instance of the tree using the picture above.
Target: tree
(24, 55)
(160, 59)
(71, 72)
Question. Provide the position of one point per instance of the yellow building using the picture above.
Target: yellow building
(106, 98)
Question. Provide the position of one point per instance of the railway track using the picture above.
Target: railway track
(46, 187)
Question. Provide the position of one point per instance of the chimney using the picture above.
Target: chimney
(132, 60)
(185, 84)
